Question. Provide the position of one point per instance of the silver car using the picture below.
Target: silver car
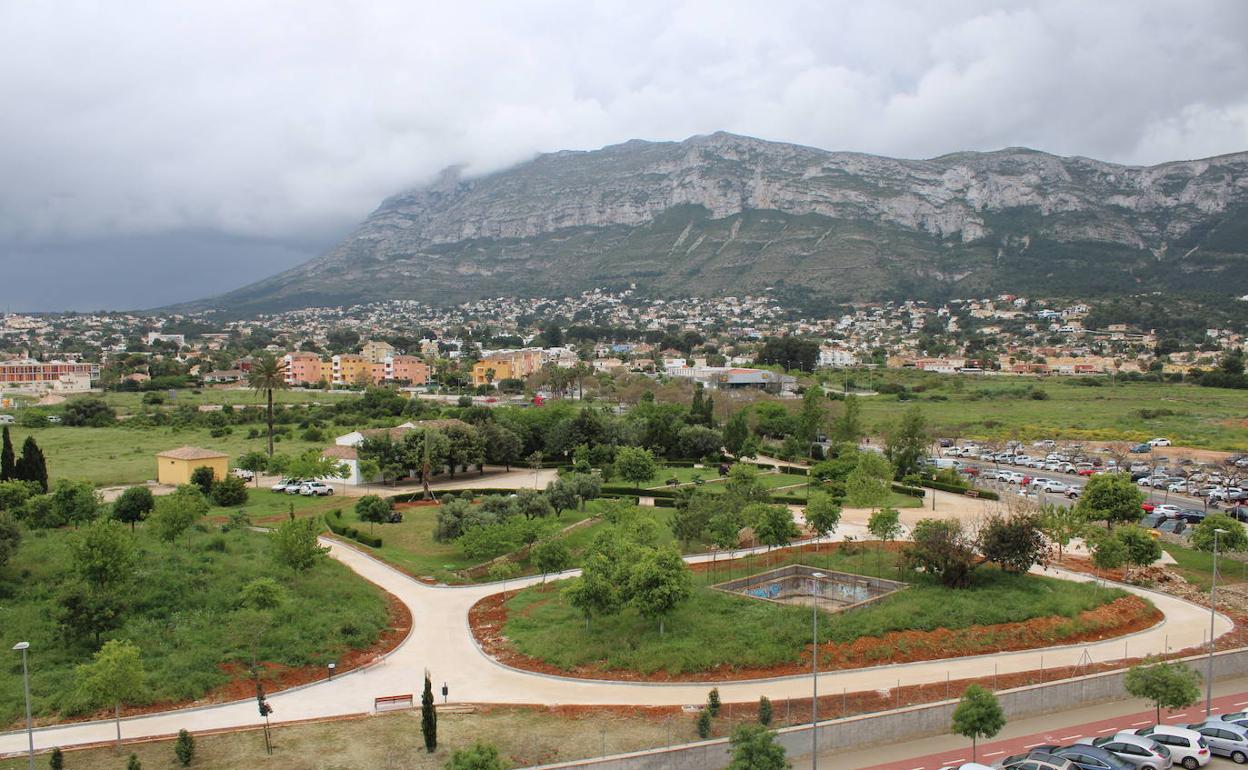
(1144, 753)
(1187, 747)
(1225, 739)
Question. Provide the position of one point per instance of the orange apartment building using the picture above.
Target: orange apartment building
(28, 371)
(351, 369)
(506, 365)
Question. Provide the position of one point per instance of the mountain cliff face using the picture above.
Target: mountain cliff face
(728, 214)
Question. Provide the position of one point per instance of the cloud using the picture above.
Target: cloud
(292, 119)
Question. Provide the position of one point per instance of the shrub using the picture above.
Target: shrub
(184, 748)
(203, 477)
(704, 724)
(764, 710)
(229, 492)
(712, 702)
(57, 761)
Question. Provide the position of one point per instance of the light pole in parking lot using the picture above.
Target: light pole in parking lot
(815, 577)
(1213, 611)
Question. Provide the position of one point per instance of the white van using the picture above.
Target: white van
(7, 419)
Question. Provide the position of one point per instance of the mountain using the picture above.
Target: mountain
(730, 214)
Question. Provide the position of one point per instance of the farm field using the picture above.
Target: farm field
(1003, 407)
(121, 455)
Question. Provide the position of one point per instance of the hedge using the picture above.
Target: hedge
(902, 489)
(621, 489)
(986, 494)
(339, 527)
(479, 492)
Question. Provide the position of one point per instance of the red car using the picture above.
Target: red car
(1148, 507)
(970, 470)
(1086, 471)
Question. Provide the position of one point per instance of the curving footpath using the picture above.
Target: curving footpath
(442, 642)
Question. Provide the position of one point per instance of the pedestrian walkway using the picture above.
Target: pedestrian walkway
(442, 643)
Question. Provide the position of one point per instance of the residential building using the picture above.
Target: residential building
(497, 365)
(376, 351)
(406, 369)
(59, 375)
(303, 369)
(351, 369)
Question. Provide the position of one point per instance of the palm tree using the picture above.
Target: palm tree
(268, 374)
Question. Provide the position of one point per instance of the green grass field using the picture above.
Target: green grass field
(716, 629)
(121, 455)
(181, 609)
(994, 407)
(131, 403)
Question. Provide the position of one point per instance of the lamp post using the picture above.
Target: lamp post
(30, 733)
(1213, 612)
(331, 667)
(814, 669)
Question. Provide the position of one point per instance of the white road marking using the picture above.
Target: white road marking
(1107, 730)
(993, 753)
(1033, 745)
(1070, 737)
(1242, 703)
(1137, 724)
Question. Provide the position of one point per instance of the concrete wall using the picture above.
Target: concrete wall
(902, 724)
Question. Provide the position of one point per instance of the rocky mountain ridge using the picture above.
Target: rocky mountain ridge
(725, 211)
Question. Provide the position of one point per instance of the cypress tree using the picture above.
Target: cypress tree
(32, 466)
(7, 460)
(428, 717)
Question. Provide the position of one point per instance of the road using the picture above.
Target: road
(442, 642)
(1062, 728)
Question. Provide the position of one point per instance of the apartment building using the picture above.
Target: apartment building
(376, 351)
(59, 375)
(497, 365)
(351, 369)
(304, 369)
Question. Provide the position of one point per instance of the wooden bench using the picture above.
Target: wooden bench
(391, 702)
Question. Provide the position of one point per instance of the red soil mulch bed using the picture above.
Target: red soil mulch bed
(1122, 616)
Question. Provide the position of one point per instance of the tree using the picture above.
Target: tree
(596, 591)
(267, 375)
(885, 526)
(32, 466)
(502, 445)
(1062, 524)
(736, 431)
(1140, 548)
(691, 519)
(57, 760)
(10, 537)
(133, 505)
(373, 509)
(83, 610)
(133, 762)
(823, 514)
(561, 495)
(294, 544)
(89, 411)
(713, 702)
(75, 502)
(978, 715)
(8, 462)
(789, 353)
(942, 548)
(176, 512)
(533, 504)
(550, 556)
(906, 444)
(698, 441)
(428, 717)
(635, 464)
(184, 748)
(1232, 538)
(203, 477)
(1015, 543)
(776, 528)
(478, 756)
(744, 487)
(847, 428)
(312, 464)
(464, 447)
(867, 485)
(659, 582)
(811, 417)
(115, 676)
(754, 747)
(1172, 685)
(703, 724)
(256, 462)
(1108, 552)
(389, 458)
(104, 555)
(1112, 498)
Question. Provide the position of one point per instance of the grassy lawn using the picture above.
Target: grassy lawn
(121, 455)
(410, 546)
(264, 506)
(716, 629)
(181, 608)
(995, 407)
(132, 403)
(524, 737)
(1197, 566)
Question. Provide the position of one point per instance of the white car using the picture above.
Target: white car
(1167, 510)
(315, 488)
(1187, 747)
(1054, 487)
(7, 419)
(1178, 486)
(1159, 442)
(243, 474)
(282, 485)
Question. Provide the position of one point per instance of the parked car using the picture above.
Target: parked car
(1192, 515)
(1187, 747)
(283, 484)
(1036, 760)
(1172, 526)
(315, 489)
(1159, 442)
(1225, 739)
(1141, 449)
(1238, 512)
(1144, 753)
(1088, 757)
(1073, 491)
(55, 419)
(243, 474)
(1168, 510)
(294, 487)
(7, 419)
(1054, 487)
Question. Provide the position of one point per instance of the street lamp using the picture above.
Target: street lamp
(814, 669)
(331, 667)
(30, 732)
(1213, 611)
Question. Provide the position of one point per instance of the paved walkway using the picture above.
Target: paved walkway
(441, 642)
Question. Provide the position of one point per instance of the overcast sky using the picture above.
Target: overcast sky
(153, 152)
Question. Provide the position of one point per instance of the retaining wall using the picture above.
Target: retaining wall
(902, 724)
